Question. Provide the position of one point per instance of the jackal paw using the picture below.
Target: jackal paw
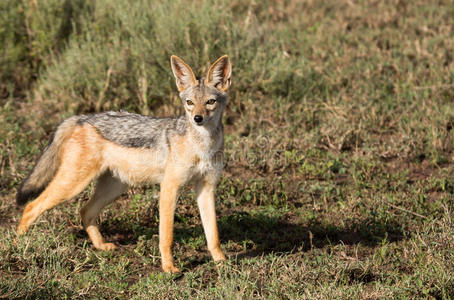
(21, 229)
(217, 255)
(170, 269)
(106, 246)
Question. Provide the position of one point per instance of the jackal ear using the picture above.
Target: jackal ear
(219, 73)
(183, 73)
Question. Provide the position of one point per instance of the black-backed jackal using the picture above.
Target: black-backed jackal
(120, 149)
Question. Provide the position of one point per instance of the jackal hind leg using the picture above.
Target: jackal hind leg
(66, 184)
(107, 190)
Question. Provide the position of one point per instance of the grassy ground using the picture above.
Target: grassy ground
(339, 137)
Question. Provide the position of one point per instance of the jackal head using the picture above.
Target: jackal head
(203, 99)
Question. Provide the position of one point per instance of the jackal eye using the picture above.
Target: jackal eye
(189, 102)
(211, 101)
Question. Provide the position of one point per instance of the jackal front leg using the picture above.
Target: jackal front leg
(205, 200)
(167, 203)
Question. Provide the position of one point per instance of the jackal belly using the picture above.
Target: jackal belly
(135, 166)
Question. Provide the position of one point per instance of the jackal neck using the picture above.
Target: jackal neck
(207, 138)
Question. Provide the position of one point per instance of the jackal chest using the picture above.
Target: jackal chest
(208, 164)
(207, 161)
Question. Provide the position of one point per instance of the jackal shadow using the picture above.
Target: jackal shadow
(257, 234)
(261, 234)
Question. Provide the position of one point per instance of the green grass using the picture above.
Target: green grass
(339, 180)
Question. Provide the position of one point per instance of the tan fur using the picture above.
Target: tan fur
(81, 154)
(47, 165)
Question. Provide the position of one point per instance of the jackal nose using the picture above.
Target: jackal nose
(198, 118)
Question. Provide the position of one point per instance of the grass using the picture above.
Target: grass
(339, 141)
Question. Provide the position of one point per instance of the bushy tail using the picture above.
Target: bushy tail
(47, 165)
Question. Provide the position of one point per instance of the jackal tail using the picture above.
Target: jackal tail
(47, 165)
